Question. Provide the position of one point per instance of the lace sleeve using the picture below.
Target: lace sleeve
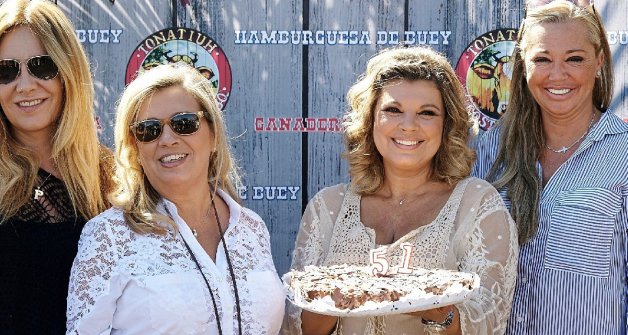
(487, 246)
(313, 241)
(94, 285)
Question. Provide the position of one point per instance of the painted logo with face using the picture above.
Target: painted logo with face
(184, 45)
(485, 69)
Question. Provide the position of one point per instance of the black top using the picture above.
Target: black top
(37, 247)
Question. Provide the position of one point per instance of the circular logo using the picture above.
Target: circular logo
(184, 45)
(485, 69)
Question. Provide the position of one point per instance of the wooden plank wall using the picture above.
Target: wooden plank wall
(284, 169)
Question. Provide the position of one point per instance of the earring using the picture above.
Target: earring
(598, 73)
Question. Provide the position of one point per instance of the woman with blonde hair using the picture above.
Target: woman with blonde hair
(558, 157)
(53, 172)
(406, 135)
(177, 254)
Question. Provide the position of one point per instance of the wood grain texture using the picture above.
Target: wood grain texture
(296, 80)
(614, 14)
(266, 83)
(332, 69)
(108, 60)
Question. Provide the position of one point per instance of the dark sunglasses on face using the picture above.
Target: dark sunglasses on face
(184, 123)
(41, 67)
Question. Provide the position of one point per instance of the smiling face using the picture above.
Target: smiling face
(561, 65)
(175, 163)
(30, 104)
(408, 125)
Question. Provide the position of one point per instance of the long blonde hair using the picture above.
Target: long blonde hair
(76, 152)
(453, 159)
(521, 126)
(135, 195)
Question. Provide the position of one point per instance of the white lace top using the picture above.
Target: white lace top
(127, 283)
(473, 232)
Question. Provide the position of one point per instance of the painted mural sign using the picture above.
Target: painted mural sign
(184, 45)
(298, 124)
(341, 37)
(484, 68)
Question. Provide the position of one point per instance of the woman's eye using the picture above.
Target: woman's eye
(540, 60)
(427, 113)
(575, 59)
(391, 110)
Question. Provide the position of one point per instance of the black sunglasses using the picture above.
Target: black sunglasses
(41, 67)
(184, 123)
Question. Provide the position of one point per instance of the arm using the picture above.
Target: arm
(487, 245)
(439, 315)
(94, 285)
(310, 249)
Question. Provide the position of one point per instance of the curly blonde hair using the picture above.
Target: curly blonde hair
(135, 195)
(453, 159)
(79, 158)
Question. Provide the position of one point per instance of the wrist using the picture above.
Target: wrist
(435, 326)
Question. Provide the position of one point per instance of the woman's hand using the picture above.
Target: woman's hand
(317, 324)
(439, 315)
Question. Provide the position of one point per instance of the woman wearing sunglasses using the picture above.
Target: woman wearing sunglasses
(53, 176)
(177, 254)
(559, 158)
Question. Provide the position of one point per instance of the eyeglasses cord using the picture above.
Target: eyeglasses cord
(233, 278)
(231, 272)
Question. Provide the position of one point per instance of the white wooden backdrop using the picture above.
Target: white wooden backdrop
(296, 80)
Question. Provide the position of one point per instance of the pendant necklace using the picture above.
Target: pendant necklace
(565, 149)
(194, 231)
(38, 191)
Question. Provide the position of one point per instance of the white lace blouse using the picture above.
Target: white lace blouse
(473, 232)
(127, 283)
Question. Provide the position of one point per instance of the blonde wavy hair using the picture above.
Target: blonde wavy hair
(79, 159)
(453, 159)
(522, 137)
(134, 194)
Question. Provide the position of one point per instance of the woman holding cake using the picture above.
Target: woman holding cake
(406, 135)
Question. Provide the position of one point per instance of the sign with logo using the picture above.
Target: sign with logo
(485, 69)
(184, 45)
